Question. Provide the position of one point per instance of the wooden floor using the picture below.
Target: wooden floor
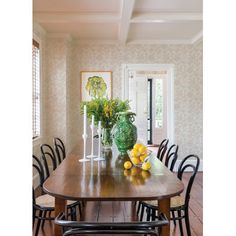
(122, 211)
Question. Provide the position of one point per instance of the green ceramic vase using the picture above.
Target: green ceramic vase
(125, 133)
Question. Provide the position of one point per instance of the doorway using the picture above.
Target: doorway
(149, 88)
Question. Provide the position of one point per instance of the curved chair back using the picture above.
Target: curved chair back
(60, 149)
(38, 167)
(49, 157)
(171, 157)
(133, 228)
(162, 149)
(194, 168)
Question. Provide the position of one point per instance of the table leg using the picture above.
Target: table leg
(164, 207)
(60, 206)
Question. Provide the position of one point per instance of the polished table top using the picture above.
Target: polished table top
(107, 180)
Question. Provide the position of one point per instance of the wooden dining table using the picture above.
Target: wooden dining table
(108, 181)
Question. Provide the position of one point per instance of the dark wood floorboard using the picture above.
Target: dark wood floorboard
(122, 211)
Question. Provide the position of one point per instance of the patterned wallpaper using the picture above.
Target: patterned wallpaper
(187, 82)
(61, 91)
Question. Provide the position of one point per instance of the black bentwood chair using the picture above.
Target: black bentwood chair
(169, 161)
(179, 204)
(171, 157)
(43, 205)
(75, 228)
(60, 149)
(162, 149)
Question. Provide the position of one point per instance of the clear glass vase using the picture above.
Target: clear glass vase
(107, 138)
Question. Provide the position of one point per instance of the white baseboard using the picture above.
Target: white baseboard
(189, 162)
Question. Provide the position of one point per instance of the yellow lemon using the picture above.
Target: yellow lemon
(142, 150)
(135, 160)
(137, 146)
(146, 166)
(127, 165)
(143, 157)
(134, 153)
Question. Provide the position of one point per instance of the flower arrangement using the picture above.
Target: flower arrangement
(105, 110)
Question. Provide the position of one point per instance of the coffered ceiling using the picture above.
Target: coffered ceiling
(122, 21)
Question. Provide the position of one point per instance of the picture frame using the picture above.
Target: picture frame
(95, 84)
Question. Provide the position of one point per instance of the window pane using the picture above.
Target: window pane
(35, 90)
(159, 103)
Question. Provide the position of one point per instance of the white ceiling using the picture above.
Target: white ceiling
(122, 21)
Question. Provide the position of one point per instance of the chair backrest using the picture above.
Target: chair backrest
(162, 149)
(171, 157)
(38, 170)
(83, 227)
(60, 149)
(185, 164)
(49, 157)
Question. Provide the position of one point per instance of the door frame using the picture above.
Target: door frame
(170, 89)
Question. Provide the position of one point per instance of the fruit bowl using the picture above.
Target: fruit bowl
(138, 160)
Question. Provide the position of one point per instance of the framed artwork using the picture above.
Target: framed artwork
(95, 84)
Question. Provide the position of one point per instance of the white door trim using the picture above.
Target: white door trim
(170, 88)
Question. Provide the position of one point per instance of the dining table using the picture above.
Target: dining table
(107, 180)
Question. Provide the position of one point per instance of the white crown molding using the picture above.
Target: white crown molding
(64, 17)
(65, 36)
(160, 42)
(197, 37)
(96, 42)
(165, 17)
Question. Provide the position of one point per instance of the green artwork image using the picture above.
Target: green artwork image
(96, 87)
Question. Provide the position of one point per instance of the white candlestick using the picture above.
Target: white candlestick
(99, 131)
(92, 133)
(84, 135)
(92, 121)
(85, 119)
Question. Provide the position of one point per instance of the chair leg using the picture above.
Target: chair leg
(139, 207)
(187, 223)
(148, 214)
(43, 220)
(80, 209)
(173, 217)
(38, 223)
(153, 211)
(180, 223)
(142, 211)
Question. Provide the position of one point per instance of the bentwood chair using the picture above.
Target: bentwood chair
(60, 149)
(144, 228)
(179, 204)
(162, 149)
(169, 161)
(171, 157)
(43, 204)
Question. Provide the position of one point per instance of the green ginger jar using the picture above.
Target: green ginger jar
(125, 133)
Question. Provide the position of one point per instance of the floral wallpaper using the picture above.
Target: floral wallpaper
(65, 59)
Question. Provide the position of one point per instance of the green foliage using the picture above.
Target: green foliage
(105, 110)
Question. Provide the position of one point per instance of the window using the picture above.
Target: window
(159, 103)
(36, 89)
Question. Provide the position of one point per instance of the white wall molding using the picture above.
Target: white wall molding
(126, 68)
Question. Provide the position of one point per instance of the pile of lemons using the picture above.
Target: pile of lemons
(138, 155)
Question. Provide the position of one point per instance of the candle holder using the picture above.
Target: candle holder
(84, 157)
(99, 131)
(92, 133)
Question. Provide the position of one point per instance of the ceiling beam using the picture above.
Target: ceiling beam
(126, 13)
(62, 17)
(165, 17)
